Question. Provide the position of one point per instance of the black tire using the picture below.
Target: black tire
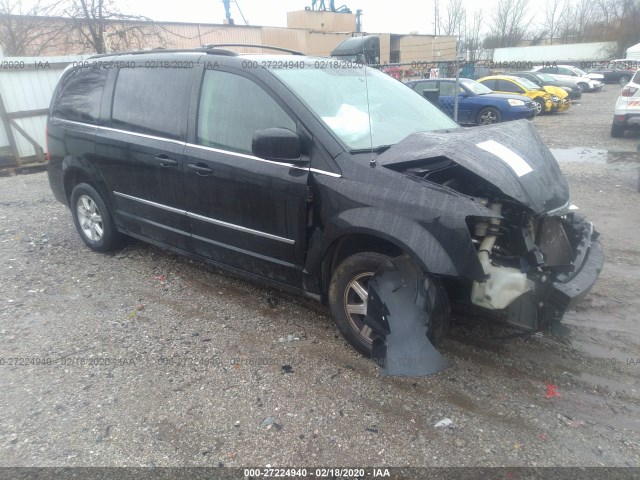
(624, 80)
(539, 107)
(584, 87)
(364, 265)
(617, 131)
(93, 220)
(488, 116)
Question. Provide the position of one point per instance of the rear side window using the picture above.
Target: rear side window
(80, 95)
(232, 108)
(152, 101)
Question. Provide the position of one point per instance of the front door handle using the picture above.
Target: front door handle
(200, 169)
(166, 161)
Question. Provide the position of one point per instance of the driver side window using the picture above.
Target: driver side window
(232, 108)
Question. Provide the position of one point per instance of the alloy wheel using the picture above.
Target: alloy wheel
(355, 304)
(90, 218)
(488, 118)
(537, 107)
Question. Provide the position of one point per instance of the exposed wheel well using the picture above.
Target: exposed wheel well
(350, 245)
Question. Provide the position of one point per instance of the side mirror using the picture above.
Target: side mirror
(278, 144)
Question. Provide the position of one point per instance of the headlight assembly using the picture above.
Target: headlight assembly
(515, 103)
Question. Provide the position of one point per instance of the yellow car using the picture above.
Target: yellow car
(543, 101)
(561, 93)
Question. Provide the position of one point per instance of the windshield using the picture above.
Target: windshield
(475, 87)
(528, 84)
(580, 72)
(544, 77)
(338, 96)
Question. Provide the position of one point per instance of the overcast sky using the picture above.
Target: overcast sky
(380, 16)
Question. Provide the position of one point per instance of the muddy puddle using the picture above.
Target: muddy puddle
(594, 155)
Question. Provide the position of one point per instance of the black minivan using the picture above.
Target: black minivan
(310, 174)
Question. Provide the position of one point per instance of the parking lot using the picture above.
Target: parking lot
(146, 358)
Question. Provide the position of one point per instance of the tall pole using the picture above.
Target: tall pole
(456, 92)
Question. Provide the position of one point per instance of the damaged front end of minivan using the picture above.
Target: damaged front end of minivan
(538, 256)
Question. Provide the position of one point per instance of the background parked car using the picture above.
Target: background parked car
(477, 104)
(544, 79)
(568, 72)
(615, 72)
(627, 111)
(625, 64)
(564, 102)
(542, 101)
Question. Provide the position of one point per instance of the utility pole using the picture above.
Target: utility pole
(457, 84)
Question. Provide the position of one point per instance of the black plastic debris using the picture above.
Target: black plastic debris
(398, 310)
(287, 369)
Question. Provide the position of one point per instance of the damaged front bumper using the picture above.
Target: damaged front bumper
(556, 273)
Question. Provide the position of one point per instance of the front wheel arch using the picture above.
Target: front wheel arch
(349, 309)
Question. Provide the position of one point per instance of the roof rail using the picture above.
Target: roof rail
(204, 49)
(252, 45)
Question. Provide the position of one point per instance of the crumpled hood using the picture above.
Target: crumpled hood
(511, 156)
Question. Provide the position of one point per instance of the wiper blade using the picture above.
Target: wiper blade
(378, 149)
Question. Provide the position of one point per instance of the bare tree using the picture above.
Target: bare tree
(436, 17)
(554, 10)
(472, 42)
(583, 17)
(100, 27)
(454, 18)
(28, 31)
(566, 24)
(509, 22)
(624, 27)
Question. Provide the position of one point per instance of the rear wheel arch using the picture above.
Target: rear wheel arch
(617, 131)
(73, 177)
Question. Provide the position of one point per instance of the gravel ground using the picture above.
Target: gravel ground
(150, 359)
